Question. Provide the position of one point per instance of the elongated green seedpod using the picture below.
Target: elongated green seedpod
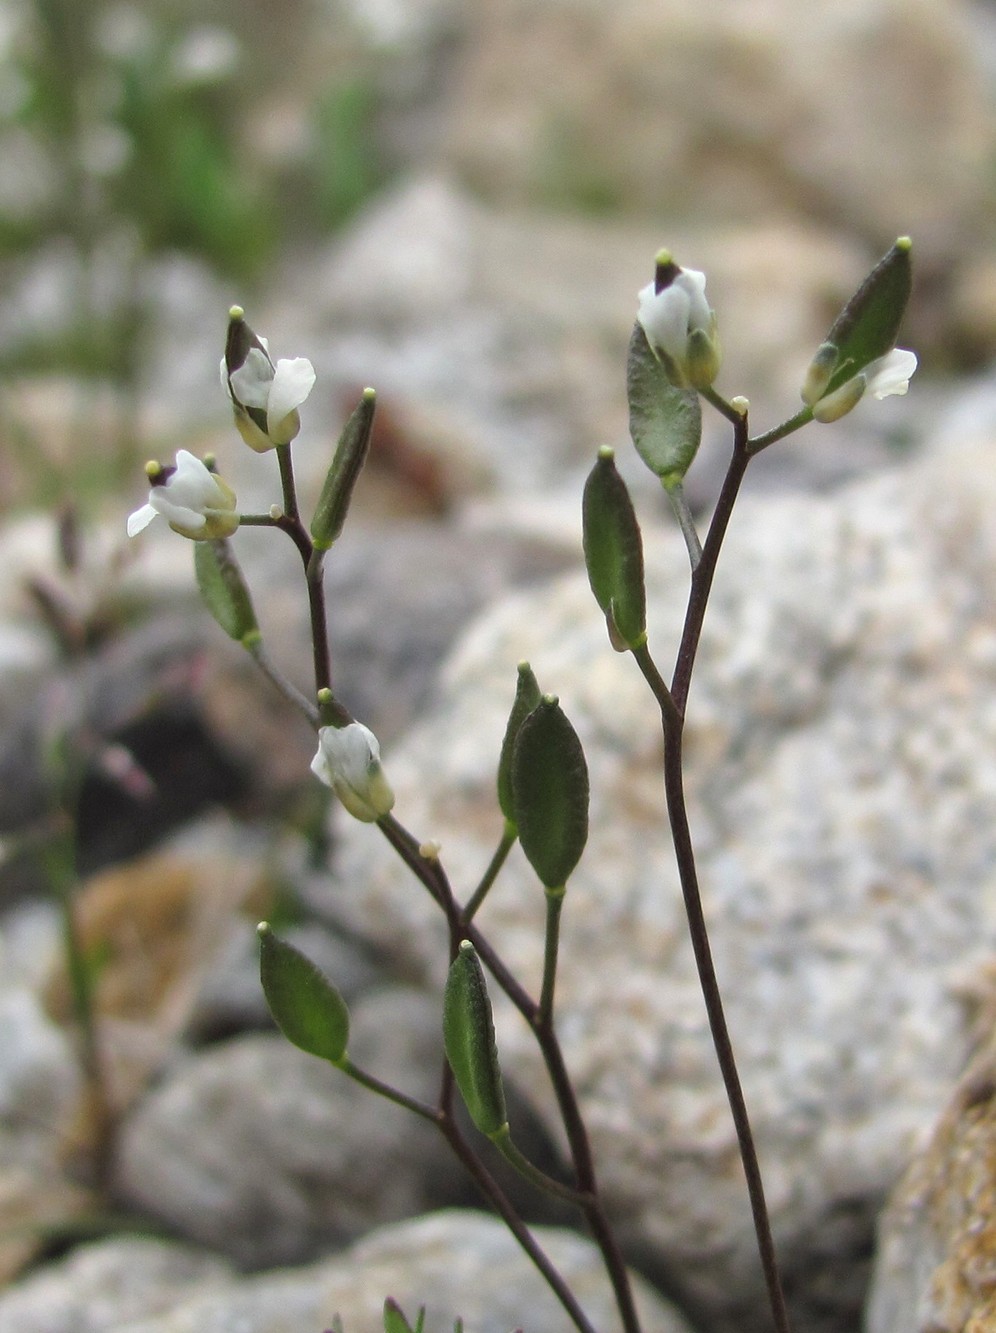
(527, 696)
(308, 1009)
(664, 421)
(224, 591)
(868, 326)
(337, 491)
(469, 1040)
(550, 788)
(613, 552)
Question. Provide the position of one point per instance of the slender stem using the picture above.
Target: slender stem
(322, 652)
(702, 578)
(276, 678)
(698, 932)
(505, 845)
(554, 904)
(287, 484)
(58, 858)
(759, 442)
(493, 1192)
(258, 521)
(722, 405)
(676, 494)
(673, 705)
(385, 1090)
(520, 1163)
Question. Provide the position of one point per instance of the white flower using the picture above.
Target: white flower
(192, 500)
(348, 761)
(265, 396)
(679, 324)
(888, 375)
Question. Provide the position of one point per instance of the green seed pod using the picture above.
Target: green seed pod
(527, 696)
(550, 788)
(224, 591)
(350, 455)
(664, 421)
(613, 552)
(867, 327)
(308, 1009)
(469, 1039)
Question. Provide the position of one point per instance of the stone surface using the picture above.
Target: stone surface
(841, 780)
(937, 1237)
(455, 1263)
(862, 111)
(268, 1155)
(39, 1099)
(108, 1286)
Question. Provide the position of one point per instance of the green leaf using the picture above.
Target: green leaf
(664, 421)
(868, 325)
(395, 1321)
(527, 696)
(224, 591)
(469, 1040)
(613, 552)
(308, 1009)
(550, 787)
(350, 455)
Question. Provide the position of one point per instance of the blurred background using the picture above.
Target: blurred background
(455, 202)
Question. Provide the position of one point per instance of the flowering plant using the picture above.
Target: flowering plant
(542, 774)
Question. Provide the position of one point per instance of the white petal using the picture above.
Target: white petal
(891, 373)
(693, 282)
(348, 761)
(192, 485)
(251, 382)
(292, 382)
(664, 316)
(182, 516)
(140, 519)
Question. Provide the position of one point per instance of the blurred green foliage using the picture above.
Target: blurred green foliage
(129, 130)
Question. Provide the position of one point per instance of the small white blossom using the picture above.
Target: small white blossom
(890, 374)
(192, 500)
(679, 323)
(348, 761)
(265, 395)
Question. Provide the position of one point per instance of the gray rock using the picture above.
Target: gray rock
(455, 1263)
(268, 1155)
(841, 778)
(109, 1285)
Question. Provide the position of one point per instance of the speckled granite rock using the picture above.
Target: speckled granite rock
(841, 775)
(455, 1263)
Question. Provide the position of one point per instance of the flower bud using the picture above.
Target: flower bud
(679, 324)
(822, 366)
(837, 404)
(265, 397)
(348, 761)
